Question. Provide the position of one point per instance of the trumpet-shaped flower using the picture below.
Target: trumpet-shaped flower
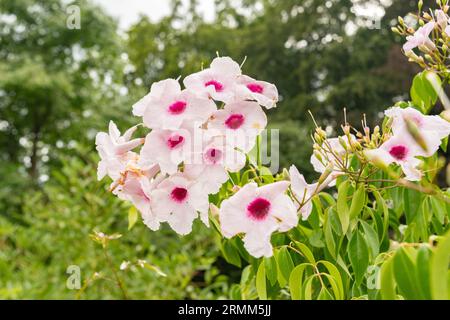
(168, 107)
(420, 38)
(258, 212)
(399, 149)
(215, 160)
(217, 82)
(177, 200)
(136, 187)
(241, 122)
(113, 149)
(431, 128)
(168, 148)
(266, 94)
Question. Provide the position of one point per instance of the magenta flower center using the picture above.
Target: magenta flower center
(216, 84)
(213, 155)
(235, 121)
(254, 87)
(177, 107)
(179, 194)
(399, 152)
(175, 141)
(258, 209)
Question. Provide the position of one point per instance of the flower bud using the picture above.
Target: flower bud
(343, 143)
(427, 16)
(214, 210)
(318, 156)
(415, 133)
(326, 173)
(446, 115)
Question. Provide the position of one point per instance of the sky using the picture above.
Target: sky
(127, 11)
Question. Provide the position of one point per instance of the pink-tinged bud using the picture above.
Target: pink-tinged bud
(427, 16)
(214, 210)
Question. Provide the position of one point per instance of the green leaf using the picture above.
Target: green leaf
(230, 253)
(329, 237)
(271, 270)
(358, 202)
(132, 217)
(306, 251)
(439, 269)
(358, 254)
(342, 207)
(423, 271)
(372, 239)
(404, 271)
(296, 281)
(411, 201)
(423, 94)
(285, 263)
(334, 272)
(387, 280)
(382, 209)
(261, 288)
(439, 208)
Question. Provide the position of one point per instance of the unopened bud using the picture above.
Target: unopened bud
(401, 21)
(415, 133)
(318, 155)
(326, 173)
(346, 129)
(396, 30)
(285, 174)
(343, 143)
(322, 133)
(427, 16)
(318, 138)
(214, 210)
(373, 156)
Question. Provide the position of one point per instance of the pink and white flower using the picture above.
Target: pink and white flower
(258, 212)
(266, 94)
(136, 187)
(177, 201)
(168, 107)
(420, 38)
(217, 82)
(113, 149)
(432, 128)
(216, 158)
(241, 122)
(399, 149)
(168, 148)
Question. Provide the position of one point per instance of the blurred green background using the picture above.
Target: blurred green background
(60, 86)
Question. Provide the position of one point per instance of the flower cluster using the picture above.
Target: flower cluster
(409, 136)
(198, 135)
(428, 45)
(202, 133)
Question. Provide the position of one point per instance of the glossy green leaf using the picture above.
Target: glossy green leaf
(358, 254)
(132, 217)
(439, 270)
(342, 207)
(358, 202)
(285, 263)
(405, 276)
(271, 270)
(387, 280)
(261, 287)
